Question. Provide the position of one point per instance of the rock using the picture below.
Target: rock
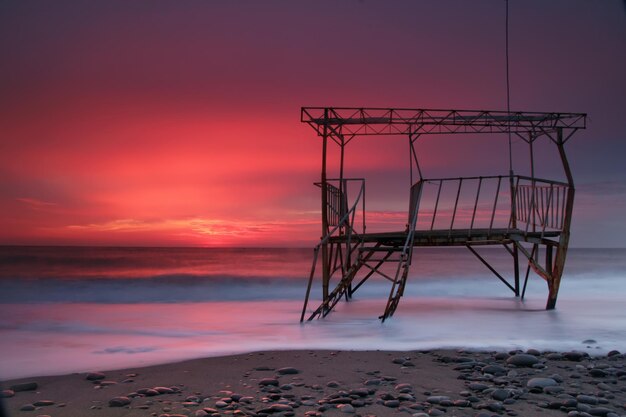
(553, 390)
(332, 384)
(107, 383)
(597, 373)
(27, 407)
(589, 342)
(43, 403)
(371, 382)
(436, 399)
(494, 370)
(200, 413)
(554, 356)
(221, 404)
(279, 408)
(361, 392)
(500, 356)
(119, 401)
(268, 382)
(500, 394)
(540, 383)
(587, 399)
(574, 356)
(433, 412)
(24, 386)
(346, 408)
(7, 393)
(163, 390)
(613, 353)
(95, 376)
(288, 371)
(522, 359)
(533, 352)
(404, 388)
(599, 411)
(391, 403)
(476, 386)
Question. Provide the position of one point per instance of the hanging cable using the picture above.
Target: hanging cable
(508, 87)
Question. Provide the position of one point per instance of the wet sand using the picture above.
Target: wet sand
(339, 383)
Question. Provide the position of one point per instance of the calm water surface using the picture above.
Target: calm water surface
(77, 309)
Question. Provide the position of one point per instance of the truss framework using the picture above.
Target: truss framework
(537, 220)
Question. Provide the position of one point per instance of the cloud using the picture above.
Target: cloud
(35, 203)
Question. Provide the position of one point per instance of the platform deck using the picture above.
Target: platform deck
(454, 237)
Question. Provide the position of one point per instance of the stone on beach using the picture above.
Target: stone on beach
(24, 386)
(346, 408)
(522, 360)
(7, 393)
(95, 376)
(540, 383)
(43, 403)
(288, 371)
(268, 382)
(119, 401)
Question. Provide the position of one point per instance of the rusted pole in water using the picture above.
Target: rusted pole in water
(561, 252)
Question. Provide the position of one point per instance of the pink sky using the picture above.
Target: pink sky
(177, 123)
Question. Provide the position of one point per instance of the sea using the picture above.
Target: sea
(79, 309)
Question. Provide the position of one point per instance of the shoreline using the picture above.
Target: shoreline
(338, 383)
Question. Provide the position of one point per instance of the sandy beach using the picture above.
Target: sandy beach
(334, 383)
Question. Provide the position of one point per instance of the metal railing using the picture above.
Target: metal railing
(540, 204)
(488, 203)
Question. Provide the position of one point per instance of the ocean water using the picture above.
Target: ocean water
(80, 309)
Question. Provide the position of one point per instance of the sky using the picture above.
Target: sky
(158, 123)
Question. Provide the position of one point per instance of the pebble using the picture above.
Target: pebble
(43, 403)
(574, 356)
(95, 376)
(24, 386)
(437, 399)
(391, 403)
(522, 360)
(370, 382)
(587, 399)
(475, 386)
(268, 382)
(500, 394)
(288, 371)
(27, 407)
(494, 370)
(346, 408)
(119, 401)
(540, 382)
(597, 373)
(7, 393)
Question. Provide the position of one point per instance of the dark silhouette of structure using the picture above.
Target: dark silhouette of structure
(522, 213)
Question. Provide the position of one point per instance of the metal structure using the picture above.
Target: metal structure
(523, 214)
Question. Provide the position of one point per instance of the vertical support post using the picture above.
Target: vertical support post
(513, 224)
(533, 199)
(325, 259)
(561, 252)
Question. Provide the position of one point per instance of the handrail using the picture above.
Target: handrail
(347, 214)
(537, 202)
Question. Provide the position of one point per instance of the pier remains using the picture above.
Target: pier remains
(529, 217)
